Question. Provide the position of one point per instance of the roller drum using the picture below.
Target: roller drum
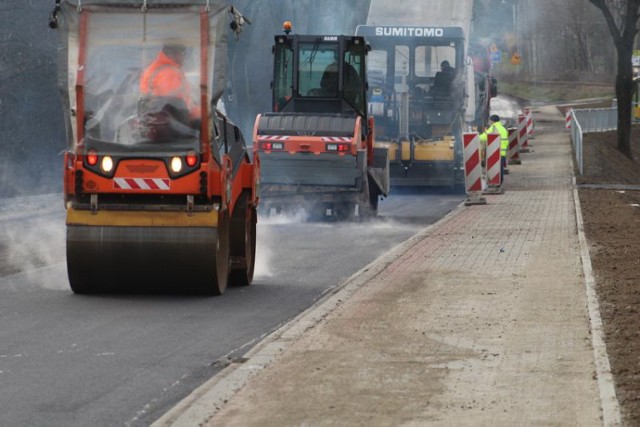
(133, 259)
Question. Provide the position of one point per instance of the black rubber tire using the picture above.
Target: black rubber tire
(374, 199)
(243, 242)
(222, 255)
(345, 211)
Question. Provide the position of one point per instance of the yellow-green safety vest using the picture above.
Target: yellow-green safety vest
(498, 128)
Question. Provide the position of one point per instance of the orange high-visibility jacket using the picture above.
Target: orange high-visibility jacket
(164, 77)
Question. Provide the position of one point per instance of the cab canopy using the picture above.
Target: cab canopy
(104, 47)
(320, 74)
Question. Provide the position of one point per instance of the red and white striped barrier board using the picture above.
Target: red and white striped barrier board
(567, 119)
(494, 172)
(493, 159)
(529, 113)
(523, 137)
(473, 169)
(513, 154)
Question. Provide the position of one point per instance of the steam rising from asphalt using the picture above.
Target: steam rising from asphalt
(264, 248)
(263, 253)
(298, 216)
(46, 247)
(32, 241)
(298, 230)
(507, 110)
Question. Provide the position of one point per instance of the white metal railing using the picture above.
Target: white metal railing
(597, 119)
(590, 120)
(576, 138)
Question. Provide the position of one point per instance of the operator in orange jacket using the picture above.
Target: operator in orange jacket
(165, 78)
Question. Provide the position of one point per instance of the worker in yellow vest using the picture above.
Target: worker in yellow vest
(495, 126)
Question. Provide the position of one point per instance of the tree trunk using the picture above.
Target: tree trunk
(624, 79)
(626, 15)
(624, 94)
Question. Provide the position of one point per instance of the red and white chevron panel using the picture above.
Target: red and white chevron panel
(273, 137)
(513, 154)
(337, 138)
(567, 119)
(163, 184)
(529, 113)
(472, 166)
(523, 136)
(493, 159)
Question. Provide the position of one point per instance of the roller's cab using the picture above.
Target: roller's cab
(159, 188)
(420, 111)
(316, 147)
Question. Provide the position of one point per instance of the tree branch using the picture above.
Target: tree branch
(611, 22)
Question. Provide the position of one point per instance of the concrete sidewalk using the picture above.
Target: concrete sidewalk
(488, 317)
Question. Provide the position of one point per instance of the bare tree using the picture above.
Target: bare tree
(577, 29)
(622, 19)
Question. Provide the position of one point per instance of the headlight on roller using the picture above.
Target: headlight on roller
(176, 165)
(106, 164)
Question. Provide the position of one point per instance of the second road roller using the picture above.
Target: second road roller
(316, 146)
